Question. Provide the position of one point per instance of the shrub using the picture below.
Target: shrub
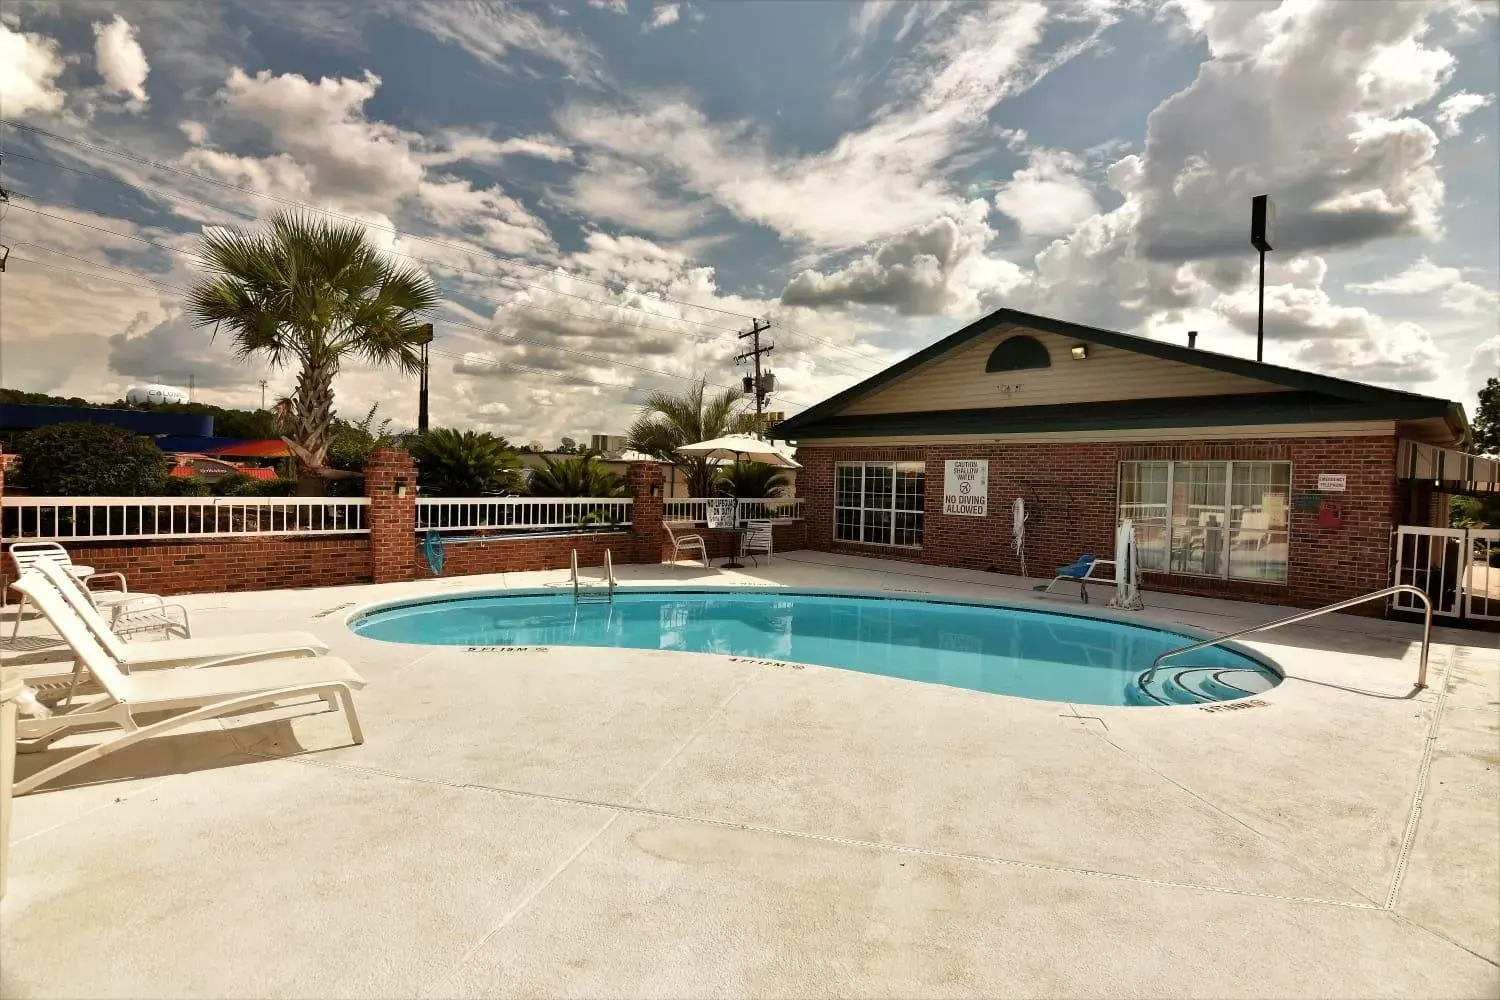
(90, 460)
(754, 480)
(464, 464)
(576, 477)
(185, 486)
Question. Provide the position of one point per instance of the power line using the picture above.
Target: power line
(611, 362)
(349, 218)
(431, 263)
(156, 284)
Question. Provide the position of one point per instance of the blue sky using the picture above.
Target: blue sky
(606, 191)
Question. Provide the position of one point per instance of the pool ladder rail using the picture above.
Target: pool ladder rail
(603, 592)
(1146, 678)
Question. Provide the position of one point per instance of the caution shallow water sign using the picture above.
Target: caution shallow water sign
(966, 487)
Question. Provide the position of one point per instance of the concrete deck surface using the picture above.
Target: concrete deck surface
(578, 822)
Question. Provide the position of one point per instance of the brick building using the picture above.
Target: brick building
(1244, 480)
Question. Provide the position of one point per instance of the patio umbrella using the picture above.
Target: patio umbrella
(741, 447)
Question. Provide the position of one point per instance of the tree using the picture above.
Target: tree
(314, 292)
(576, 477)
(567, 447)
(451, 463)
(752, 480)
(90, 460)
(667, 422)
(1486, 424)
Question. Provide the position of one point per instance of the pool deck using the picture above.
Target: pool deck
(617, 823)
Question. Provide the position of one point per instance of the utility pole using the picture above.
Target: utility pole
(761, 383)
(262, 394)
(424, 338)
(4, 200)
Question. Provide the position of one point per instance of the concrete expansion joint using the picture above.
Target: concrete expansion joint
(886, 847)
(1424, 768)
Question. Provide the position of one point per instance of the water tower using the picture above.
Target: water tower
(156, 395)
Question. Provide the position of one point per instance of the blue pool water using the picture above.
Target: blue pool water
(1030, 654)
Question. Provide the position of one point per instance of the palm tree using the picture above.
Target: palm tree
(576, 477)
(754, 480)
(465, 464)
(315, 292)
(668, 422)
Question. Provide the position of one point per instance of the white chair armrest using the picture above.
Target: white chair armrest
(94, 578)
(279, 653)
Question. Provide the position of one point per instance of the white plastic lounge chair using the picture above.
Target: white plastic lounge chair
(191, 695)
(171, 652)
(685, 543)
(129, 613)
(757, 538)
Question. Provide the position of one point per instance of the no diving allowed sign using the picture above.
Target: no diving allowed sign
(966, 487)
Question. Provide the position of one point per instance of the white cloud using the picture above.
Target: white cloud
(1048, 197)
(1426, 278)
(29, 67)
(937, 268)
(494, 33)
(497, 220)
(617, 191)
(663, 15)
(323, 125)
(614, 6)
(120, 59)
(459, 145)
(880, 180)
(1456, 107)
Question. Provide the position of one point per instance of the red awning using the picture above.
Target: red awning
(269, 448)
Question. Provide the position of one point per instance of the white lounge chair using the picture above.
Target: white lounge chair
(129, 612)
(685, 543)
(758, 537)
(190, 695)
(164, 653)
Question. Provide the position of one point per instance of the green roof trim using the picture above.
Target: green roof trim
(1378, 403)
(1129, 414)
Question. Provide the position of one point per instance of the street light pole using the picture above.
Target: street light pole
(1262, 222)
(425, 338)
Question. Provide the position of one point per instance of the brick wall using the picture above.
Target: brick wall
(228, 564)
(1072, 490)
(518, 555)
(391, 485)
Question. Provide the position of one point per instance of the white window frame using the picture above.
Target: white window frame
(1227, 532)
(893, 510)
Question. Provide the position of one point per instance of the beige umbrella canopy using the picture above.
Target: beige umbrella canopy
(741, 448)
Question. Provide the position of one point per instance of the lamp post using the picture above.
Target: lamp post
(1262, 224)
(424, 338)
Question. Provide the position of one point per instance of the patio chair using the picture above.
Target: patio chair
(685, 543)
(137, 612)
(757, 538)
(163, 653)
(190, 695)
(1081, 572)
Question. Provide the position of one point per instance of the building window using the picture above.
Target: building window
(879, 503)
(1018, 353)
(1220, 519)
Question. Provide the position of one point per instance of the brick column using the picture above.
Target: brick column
(393, 519)
(645, 480)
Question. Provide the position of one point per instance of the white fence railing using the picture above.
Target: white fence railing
(521, 514)
(773, 508)
(148, 518)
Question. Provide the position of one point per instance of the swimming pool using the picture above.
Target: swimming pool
(1002, 650)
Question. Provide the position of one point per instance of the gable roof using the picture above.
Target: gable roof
(1370, 402)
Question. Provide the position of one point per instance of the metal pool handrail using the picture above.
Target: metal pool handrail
(1305, 615)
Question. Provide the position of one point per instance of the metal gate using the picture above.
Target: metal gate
(1457, 568)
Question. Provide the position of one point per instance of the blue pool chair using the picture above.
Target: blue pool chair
(1081, 572)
